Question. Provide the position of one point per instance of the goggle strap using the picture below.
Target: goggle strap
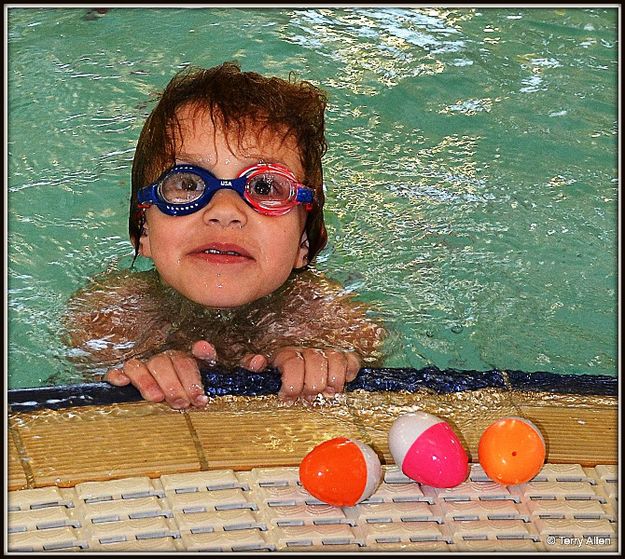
(305, 195)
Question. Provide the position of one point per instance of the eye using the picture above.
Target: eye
(269, 187)
(182, 187)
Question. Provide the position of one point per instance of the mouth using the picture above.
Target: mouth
(222, 253)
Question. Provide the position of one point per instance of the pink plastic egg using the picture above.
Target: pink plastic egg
(427, 450)
(341, 472)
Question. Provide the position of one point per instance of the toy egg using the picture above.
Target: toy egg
(341, 472)
(511, 451)
(427, 450)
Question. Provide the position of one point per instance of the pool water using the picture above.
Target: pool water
(471, 174)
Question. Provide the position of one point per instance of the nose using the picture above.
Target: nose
(226, 209)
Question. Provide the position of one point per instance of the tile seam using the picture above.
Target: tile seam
(199, 449)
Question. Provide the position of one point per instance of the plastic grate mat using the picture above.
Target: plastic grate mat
(565, 508)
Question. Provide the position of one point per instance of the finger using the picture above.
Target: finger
(204, 350)
(188, 374)
(116, 377)
(162, 369)
(143, 380)
(290, 363)
(337, 371)
(353, 365)
(316, 375)
(254, 362)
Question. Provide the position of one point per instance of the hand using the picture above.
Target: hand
(307, 372)
(172, 376)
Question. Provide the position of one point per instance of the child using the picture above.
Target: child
(227, 200)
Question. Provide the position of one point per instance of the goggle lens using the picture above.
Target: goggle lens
(181, 188)
(269, 190)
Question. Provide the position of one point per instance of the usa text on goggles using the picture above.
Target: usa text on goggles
(269, 188)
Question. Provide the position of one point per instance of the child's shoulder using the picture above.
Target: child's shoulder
(117, 294)
(118, 284)
(317, 288)
(115, 308)
(317, 284)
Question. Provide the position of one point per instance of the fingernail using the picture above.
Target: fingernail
(201, 400)
(257, 361)
(178, 404)
(154, 396)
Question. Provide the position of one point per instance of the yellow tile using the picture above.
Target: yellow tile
(15, 466)
(575, 434)
(74, 445)
(256, 438)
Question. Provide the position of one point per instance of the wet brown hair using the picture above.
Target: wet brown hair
(236, 99)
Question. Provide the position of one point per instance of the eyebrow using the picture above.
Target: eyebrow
(254, 159)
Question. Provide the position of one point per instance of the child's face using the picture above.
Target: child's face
(268, 247)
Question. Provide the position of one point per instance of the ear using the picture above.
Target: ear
(301, 259)
(144, 242)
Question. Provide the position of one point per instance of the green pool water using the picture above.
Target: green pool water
(472, 173)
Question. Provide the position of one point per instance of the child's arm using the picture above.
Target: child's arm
(116, 324)
(326, 338)
(308, 371)
(318, 337)
(171, 375)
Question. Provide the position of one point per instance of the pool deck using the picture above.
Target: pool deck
(148, 446)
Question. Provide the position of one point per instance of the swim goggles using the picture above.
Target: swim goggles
(269, 188)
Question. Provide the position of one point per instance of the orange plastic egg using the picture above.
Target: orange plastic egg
(511, 451)
(341, 472)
